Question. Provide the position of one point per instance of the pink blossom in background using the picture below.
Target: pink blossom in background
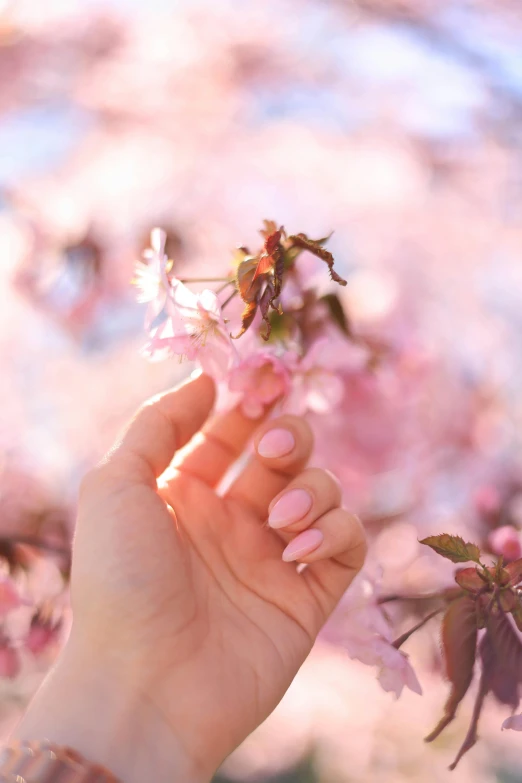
(10, 662)
(317, 385)
(260, 379)
(505, 541)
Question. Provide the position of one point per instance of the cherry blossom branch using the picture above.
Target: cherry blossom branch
(229, 299)
(186, 280)
(405, 636)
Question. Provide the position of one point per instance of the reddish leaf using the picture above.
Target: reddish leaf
(516, 614)
(264, 304)
(481, 607)
(471, 736)
(454, 548)
(315, 247)
(507, 600)
(469, 579)
(269, 227)
(272, 254)
(336, 310)
(514, 570)
(248, 290)
(506, 644)
(273, 240)
(459, 641)
(502, 684)
(264, 265)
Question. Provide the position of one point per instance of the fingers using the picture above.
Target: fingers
(318, 533)
(213, 450)
(162, 425)
(334, 553)
(305, 499)
(282, 447)
(332, 535)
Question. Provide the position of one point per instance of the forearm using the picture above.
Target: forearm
(97, 712)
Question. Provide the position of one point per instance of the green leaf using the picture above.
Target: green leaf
(459, 643)
(453, 548)
(336, 310)
(281, 326)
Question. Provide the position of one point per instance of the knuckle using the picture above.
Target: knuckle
(322, 481)
(358, 539)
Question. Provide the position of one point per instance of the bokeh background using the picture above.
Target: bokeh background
(395, 123)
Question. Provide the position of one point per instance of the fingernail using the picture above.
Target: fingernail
(302, 545)
(290, 508)
(276, 443)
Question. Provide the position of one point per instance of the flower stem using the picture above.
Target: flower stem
(401, 639)
(206, 279)
(229, 299)
(225, 285)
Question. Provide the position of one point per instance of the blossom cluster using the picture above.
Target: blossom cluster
(298, 347)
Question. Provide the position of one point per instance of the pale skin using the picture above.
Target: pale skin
(188, 624)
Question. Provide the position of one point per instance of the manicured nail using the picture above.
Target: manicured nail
(290, 508)
(276, 443)
(302, 545)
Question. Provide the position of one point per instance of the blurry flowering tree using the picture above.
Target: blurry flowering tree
(397, 124)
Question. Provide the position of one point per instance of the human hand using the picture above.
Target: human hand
(189, 625)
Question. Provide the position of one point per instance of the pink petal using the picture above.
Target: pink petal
(158, 239)
(514, 722)
(325, 391)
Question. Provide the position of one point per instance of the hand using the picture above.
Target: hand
(189, 625)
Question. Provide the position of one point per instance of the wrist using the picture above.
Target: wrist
(98, 709)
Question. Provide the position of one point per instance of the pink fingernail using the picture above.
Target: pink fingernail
(290, 508)
(302, 545)
(276, 443)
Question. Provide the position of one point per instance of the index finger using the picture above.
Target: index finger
(163, 424)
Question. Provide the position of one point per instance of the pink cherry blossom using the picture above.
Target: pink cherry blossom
(152, 281)
(396, 672)
(150, 277)
(361, 628)
(192, 328)
(261, 379)
(317, 385)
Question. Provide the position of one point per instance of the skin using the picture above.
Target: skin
(188, 626)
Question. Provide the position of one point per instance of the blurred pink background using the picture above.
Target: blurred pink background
(395, 123)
